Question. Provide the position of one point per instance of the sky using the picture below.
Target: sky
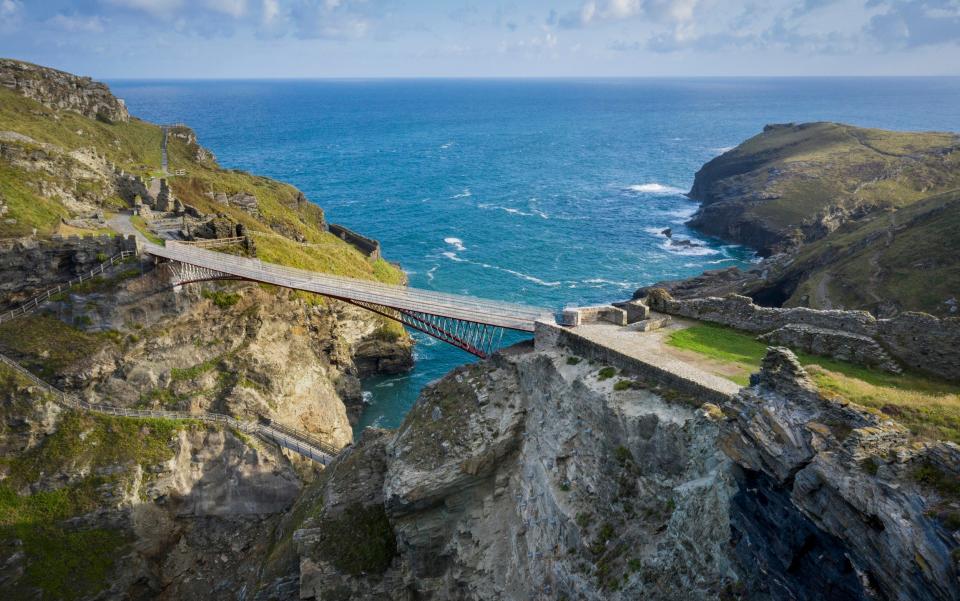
(522, 38)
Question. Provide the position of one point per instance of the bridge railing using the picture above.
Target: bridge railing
(344, 287)
(32, 304)
(299, 442)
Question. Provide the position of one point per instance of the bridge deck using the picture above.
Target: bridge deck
(495, 313)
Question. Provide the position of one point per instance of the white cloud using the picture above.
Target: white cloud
(593, 12)
(11, 13)
(232, 8)
(77, 23)
(269, 12)
(157, 8)
(533, 46)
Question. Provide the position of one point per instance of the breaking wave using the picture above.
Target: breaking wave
(655, 188)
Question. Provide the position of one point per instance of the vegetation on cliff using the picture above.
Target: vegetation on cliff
(928, 407)
(867, 218)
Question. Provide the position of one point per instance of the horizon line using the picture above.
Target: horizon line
(519, 77)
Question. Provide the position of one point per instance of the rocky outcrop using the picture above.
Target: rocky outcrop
(154, 509)
(28, 266)
(854, 476)
(846, 218)
(62, 91)
(527, 476)
(796, 183)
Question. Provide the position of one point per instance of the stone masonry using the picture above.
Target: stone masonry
(917, 340)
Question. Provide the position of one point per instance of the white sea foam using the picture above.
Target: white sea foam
(689, 251)
(367, 397)
(457, 243)
(510, 210)
(430, 273)
(447, 145)
(720, 261)
(654, 188)
(681, 215)
(723, 149)
(609, 283)
(465, 194)
(655, 231)
(453, 257)
(524, 276)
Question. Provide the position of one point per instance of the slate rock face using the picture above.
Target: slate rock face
(63, 91)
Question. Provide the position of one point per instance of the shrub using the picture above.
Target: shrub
(623, 385)
(222, 298)
(606, 373)
(573, 360)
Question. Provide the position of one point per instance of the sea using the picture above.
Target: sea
(549, 192)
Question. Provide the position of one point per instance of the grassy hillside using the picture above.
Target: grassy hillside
(792, 183)
(45, 169)
(903, 259)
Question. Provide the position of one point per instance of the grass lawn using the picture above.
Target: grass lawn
(929, 407)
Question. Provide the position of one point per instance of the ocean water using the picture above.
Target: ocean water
(548, 192)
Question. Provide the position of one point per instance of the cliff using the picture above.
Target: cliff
(851, 218)
(62, 91)
(796, 183)
(529, 476)
(116, 508)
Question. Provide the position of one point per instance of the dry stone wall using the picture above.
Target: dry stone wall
(367, 246)
(917, 340)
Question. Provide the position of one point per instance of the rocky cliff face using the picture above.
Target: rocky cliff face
(62, 91)
(528, 477)
(116, 508)
(797, 183)
(848, 218)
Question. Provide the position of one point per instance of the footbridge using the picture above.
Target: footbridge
(472, 324)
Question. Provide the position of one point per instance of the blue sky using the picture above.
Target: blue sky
(546, 38)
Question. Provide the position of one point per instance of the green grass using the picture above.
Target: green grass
(135, 145)
(606, 373)
(29, 209)
(62, 563)
(49, 345)
(222, 298)
(928, 407)
(189, 373)
(141, 226)
(359, 541)
(75, 562)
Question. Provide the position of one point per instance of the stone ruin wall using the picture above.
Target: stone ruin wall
(367, 246)
(916, 340)
(28, 266)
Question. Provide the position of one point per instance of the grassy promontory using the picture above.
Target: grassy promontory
(864, 218)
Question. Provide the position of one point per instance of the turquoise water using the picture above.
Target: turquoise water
(549, 192)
